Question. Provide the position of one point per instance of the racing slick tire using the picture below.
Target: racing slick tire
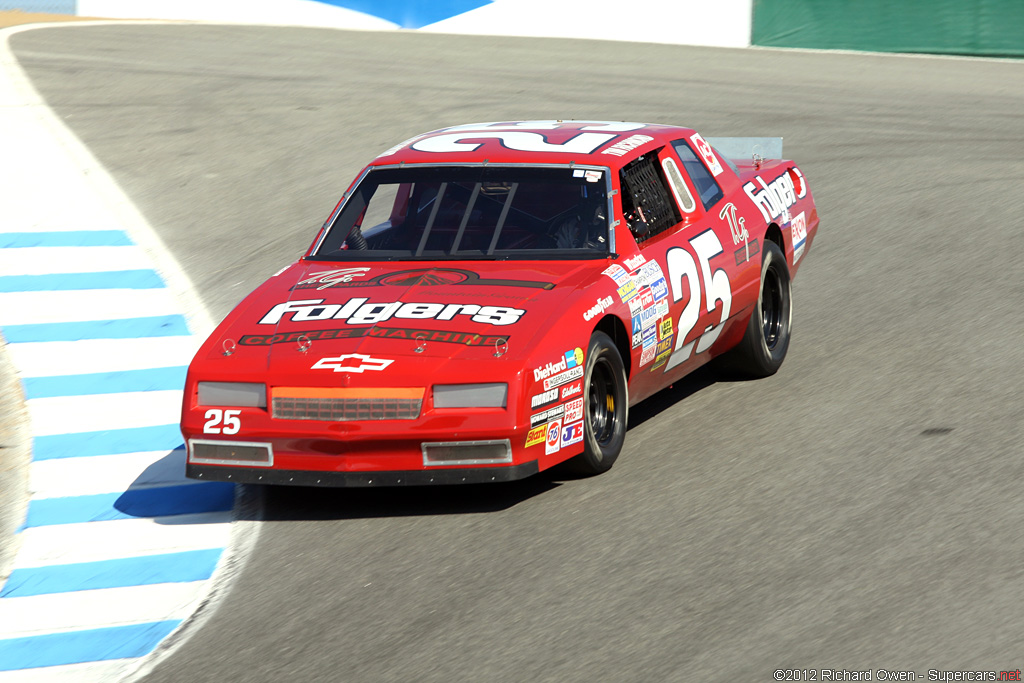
(605, 407)
(764, 345)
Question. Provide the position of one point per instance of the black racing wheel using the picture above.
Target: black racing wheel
(605, 407)
(763, 348)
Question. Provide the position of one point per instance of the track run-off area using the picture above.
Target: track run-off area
(858, 510)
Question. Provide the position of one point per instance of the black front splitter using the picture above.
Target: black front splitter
(253, 475)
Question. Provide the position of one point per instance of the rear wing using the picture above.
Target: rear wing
(748, 149)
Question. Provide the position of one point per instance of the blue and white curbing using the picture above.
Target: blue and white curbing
(117, 549)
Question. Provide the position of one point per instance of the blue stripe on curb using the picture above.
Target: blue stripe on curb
(107, 442)
(154, 379)
(124, 328)
(115, 279)
(193, 565)
(71, 238)
(92, 645)
(158, 501)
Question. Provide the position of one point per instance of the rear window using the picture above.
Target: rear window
(708, 190)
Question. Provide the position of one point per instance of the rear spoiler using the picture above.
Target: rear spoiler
(748, 149)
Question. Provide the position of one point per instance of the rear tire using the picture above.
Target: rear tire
(764, 345)
(605, 407)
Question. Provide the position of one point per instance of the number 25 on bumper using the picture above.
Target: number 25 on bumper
(222, 421)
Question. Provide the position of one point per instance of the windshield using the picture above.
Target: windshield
(466, 212)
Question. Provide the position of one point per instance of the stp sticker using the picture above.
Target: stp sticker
(536, 435)
(553, 440)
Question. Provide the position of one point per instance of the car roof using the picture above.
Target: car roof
(601, 143)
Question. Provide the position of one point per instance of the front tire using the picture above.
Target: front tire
(764, 345)
(605, 407)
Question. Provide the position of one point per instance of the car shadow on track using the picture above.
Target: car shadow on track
(678, 391)
(297, 503)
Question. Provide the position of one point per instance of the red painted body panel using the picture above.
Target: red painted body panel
(364, 326)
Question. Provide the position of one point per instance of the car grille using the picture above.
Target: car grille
(345, 405)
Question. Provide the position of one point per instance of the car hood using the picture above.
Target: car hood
(353, 321)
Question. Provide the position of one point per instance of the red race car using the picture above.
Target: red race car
(487, 301)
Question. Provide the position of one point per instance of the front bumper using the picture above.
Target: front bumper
(461, 475)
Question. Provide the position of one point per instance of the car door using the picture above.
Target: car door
(695, 257)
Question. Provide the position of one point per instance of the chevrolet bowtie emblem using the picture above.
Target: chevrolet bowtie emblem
(352, 362)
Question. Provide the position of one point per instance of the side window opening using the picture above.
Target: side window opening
(646, 203)
(707, 188)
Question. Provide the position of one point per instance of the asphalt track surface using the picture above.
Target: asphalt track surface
(861, 509)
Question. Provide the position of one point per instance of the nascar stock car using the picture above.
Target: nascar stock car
(487, 301)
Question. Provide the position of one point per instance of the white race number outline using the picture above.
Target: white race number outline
(716, 285)
(520, 136)
(521, 141)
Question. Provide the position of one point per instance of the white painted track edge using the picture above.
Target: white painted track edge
(243, 534)
(249, 504)
(102, 183)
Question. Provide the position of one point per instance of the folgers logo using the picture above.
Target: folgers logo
(779, 194)
(358, 312)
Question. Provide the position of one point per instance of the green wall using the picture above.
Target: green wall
(971, 27)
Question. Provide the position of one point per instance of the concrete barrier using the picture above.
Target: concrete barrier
(723, 23)
(965, 27)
